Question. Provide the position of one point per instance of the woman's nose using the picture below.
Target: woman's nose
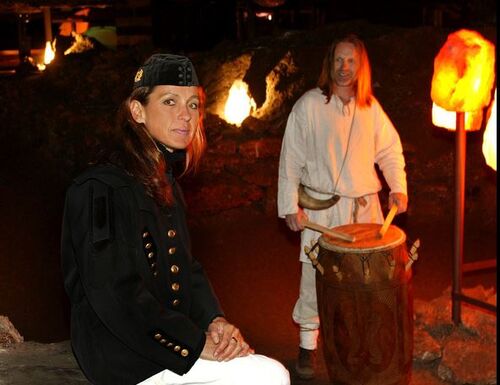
(184, 114)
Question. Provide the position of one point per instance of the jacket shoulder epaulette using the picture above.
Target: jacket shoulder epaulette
(110, 175)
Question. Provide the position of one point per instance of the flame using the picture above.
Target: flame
(239, 104)
(49, 55)
(448, 119)
(80, 44)
(464, 72)
(490, 137)
(50, 52)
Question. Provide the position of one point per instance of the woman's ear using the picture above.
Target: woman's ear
(137, 111)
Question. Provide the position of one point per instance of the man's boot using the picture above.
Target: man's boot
(306, 363)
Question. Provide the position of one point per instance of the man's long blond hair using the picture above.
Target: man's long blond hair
(363, 81)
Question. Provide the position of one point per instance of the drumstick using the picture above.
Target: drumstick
(327, 231)
(388, 221)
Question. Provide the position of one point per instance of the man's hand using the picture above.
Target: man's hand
(224, 342)
(400, 200)
(294, 221)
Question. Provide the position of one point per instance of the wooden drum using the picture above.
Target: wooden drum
(365, 304)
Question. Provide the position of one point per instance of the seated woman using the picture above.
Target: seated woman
(142, 308)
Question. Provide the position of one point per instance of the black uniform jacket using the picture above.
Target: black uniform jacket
(140, 302)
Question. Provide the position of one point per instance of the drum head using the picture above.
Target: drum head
(367, 239)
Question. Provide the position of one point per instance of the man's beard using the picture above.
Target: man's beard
(344, 81)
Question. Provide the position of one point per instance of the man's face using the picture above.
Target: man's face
(345, 65)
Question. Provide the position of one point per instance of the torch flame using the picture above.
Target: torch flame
(50, 52)
(490, 137)
(48, 56)
(239, 104)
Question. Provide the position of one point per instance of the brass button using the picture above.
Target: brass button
(170, 344)
(175, 286)
(158, 336)
(151, 255)
(171, 233)
(176, 302)
(174, 269)
(171, 250)
(184, 352)
(177, 348)
(153, 264)
(155, 273)
(145, 234)
(163, 341)
(148, 245)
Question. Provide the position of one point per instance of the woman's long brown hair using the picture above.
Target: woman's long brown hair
(363, 79)
(136, 151)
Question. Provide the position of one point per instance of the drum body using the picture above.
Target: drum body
(365, 304)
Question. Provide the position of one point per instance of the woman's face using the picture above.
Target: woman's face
(171, 115)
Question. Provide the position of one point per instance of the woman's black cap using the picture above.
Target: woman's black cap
(166, 69)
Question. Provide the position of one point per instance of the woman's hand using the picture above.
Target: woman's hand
(224, 342)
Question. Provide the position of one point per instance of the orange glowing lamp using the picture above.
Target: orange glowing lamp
(490, 137)
(464, 73)
(463, 78)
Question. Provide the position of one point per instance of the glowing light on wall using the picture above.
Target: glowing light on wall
(239, 103)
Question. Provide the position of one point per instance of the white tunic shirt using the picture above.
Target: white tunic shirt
(333, 148)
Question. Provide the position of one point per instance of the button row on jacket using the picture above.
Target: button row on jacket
(174, 269)
(176, 348)
(149, 250)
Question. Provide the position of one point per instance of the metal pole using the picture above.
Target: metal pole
(47, 23)
(459, 217)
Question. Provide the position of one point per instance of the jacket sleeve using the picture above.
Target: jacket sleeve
(98, 220)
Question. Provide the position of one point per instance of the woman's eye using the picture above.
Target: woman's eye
(194, 105)
(169, 102)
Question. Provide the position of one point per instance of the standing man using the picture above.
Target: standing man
(335, 134)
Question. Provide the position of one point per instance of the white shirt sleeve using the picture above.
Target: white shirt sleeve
(389, 153)
(292, 161)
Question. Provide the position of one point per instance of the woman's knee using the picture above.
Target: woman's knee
(270, 371)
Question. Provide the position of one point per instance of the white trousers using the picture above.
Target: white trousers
(254, 369)
(305, 312)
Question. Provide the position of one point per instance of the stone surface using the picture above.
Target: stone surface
(443, 353)
(32, 363)
(8, 333)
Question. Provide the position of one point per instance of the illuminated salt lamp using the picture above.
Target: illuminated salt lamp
(448, 119)
(239, 104)
(464, 72)
(490, 137)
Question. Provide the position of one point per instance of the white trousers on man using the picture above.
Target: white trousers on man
(254, 369)
(346, 211)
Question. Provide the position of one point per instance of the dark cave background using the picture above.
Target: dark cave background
(49, 120)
